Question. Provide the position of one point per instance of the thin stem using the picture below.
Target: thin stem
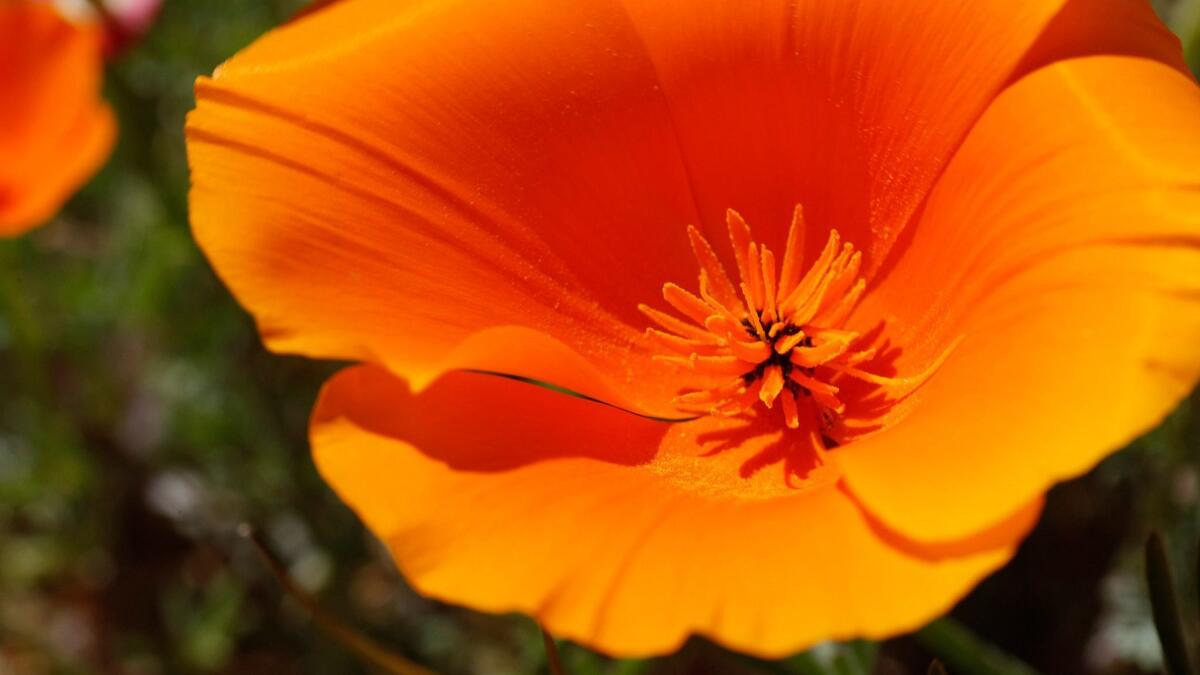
(369, 650)
(1165, 604)
(552, 657)
(569, 392)
(964, 652)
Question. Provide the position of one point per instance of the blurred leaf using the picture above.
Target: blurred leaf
(1184, 19)
(857, 657)
(1165, 602)
(205, 623)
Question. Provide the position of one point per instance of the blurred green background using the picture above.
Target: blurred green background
(141, 421)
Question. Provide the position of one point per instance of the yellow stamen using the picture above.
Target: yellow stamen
(804, 312)
(811, 357)
(899, 387)
(791, 415)
(775, 335)
(789, 275)
(752, 313)
(721, 325)
(824, 393)
(741, 403)
(815, 274)
(753, 353)
(710, 265)
(772, 384)
(789, 343)
(839, 311)
(681, 344)
(686, 304)
(717, 306)
(755, 280)
(740, 238)
(767, 265)
(676, 326)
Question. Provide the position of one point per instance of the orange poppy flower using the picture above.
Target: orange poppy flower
(791, 423)
(55, 131)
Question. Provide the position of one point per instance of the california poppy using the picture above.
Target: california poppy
(55, 130)
(840, 288)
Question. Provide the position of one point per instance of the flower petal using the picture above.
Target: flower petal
(55, 131)
(565, 509)
(469, 208)
(1099, 27)
(853, 108)
(463, 166)
(1064, 244)
(381, 180)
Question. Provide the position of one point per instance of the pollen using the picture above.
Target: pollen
(776, 338)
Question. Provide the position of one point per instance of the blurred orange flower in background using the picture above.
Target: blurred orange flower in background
(845, 422)
(55, 130)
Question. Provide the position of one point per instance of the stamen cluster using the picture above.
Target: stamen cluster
(777, 335)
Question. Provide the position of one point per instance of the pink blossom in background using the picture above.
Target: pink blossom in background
(129, 19)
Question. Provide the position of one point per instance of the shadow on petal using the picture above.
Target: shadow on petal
(1005, 532)
(478, 422)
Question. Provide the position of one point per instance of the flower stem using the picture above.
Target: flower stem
(964, 652)
(1165, 604)
(552, 657)
(366, 648)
